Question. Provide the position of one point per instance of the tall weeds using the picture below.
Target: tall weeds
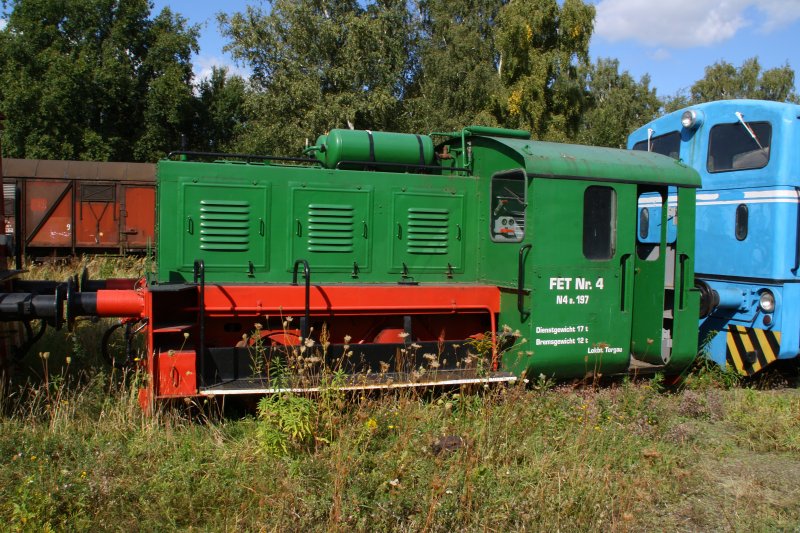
(77, 453)
(505, 458)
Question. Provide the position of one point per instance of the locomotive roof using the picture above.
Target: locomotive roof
(78, 170)
(718, 111)
(572, 161)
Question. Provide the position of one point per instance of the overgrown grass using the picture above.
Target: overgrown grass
(97, 266)
(76, 453)
(626, 457)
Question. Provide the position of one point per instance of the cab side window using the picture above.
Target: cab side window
(508, 205)
(599, 223)
(668, 144)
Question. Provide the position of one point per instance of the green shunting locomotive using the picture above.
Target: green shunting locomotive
(388, 260)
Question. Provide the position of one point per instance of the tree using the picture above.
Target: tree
(220, 111)
(320, 64)
(616, 104)
(456, 71)
(542, 45)
(723, 81)
(165, 85)
(94, 79)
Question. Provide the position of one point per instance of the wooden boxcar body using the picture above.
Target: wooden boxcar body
(69, 207)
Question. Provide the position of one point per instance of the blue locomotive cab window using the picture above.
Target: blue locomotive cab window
(644, 223)
(508, 206)
(668, 144)
(599, 223)
(739, 146)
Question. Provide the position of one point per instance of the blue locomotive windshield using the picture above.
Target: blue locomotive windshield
(739, 147)
(668, 144)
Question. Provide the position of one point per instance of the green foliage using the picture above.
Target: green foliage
(220, 109)
(455, 74)
(285, 422)
(705, 374)
(105, 80)
(622, 458)
(542, 45)
(616, 104)
(380, 65)
(319, 65)
(167, 96)
(723, 81)
(542, 383)
(767, 421)
(94, 79)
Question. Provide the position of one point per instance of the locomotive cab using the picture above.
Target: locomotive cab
(747, 223)
(585, 295)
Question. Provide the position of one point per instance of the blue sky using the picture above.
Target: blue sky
(672, 40)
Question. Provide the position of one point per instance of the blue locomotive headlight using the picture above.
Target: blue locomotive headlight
(691, 119)
(767, 301)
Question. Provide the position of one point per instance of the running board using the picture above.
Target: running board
(385, 381)
(637, 364)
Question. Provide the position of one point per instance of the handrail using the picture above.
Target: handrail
(797, 240)
(247, 157)
(524, 313)
(200, 273)
(404, 166)
(307, 275)
(625, 277)
(682, 258)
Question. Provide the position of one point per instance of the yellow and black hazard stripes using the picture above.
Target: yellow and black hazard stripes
(752, 349)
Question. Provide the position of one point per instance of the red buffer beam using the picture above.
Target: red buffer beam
(254, 300)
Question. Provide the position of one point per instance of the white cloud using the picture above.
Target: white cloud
(203, 65)
(779, 13)
(689, 23)
(660, 54)
(3, 23)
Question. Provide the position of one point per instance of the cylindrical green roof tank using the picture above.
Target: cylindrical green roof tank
(364, 146)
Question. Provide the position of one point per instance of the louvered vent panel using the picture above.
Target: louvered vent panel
(330, 228)
(427, 231)
(224, 225)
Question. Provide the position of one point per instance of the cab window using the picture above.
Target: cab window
(668, 144)
(508, 206)
(737, 147)
(599, 223)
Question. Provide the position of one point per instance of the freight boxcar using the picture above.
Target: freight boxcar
(69, 207)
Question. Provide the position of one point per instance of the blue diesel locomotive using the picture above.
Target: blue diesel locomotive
(748, 214)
